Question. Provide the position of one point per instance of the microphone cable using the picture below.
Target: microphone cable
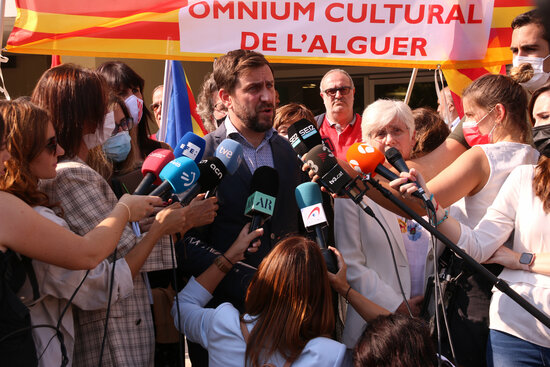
(174, 276)
(111, 284)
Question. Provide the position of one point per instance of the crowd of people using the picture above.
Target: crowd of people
(87, 269)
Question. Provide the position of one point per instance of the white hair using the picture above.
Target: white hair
(383, 111)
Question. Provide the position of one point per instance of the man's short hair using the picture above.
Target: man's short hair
(531, 17)
(335, 71)
(229, 67)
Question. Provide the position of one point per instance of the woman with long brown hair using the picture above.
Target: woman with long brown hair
(288, 319)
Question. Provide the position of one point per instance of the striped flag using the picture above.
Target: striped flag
(181, 111)
(498, 48)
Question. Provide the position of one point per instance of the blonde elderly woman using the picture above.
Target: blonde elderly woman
(371, 272)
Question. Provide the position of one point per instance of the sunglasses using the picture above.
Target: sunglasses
(51, 145)
(125, 124)
(344, 91)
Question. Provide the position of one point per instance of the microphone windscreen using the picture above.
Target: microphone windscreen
(364, 158)
(212, 171)
(303, 135)
(266, 180)
(155, 162)
(190, 146)
(181, 173)
(230, 153)
(308, 194)
(320, 159)
(394, 157)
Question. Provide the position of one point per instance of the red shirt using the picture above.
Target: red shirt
(341, 142)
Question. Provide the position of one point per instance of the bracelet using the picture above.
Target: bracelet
(127, 207)
(229, 261)
(347, 294)
(224, 268)
(444, 218)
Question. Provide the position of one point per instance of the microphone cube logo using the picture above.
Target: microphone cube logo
(260, 203)
(307, 131)
(190, 150)
(225, 152)
(355, 165)
(364, 148)
(188, 178)
(313, 215)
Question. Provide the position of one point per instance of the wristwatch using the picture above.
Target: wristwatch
(527, 258)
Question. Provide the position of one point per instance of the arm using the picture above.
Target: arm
(510, 259)
(58, 245)
(434, 162)
(364, 306)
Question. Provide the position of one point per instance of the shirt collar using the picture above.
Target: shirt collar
(231, 129)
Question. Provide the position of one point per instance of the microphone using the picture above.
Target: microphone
(152, 165)
(177, 176)
(230, 153)
(396, 159)
(369, 160)
(211, 171)
(310, 202)
(334, 177)
(303, 136)
(190, 146)
(261, 202)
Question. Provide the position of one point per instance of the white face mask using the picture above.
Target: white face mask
(135, 106)
(100, 136)
(540, 77)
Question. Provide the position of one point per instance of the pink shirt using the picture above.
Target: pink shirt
(343, 140)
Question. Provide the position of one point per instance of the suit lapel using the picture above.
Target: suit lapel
(389, 220)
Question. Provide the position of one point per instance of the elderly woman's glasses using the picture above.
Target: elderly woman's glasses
(125, 124)
(394, 131)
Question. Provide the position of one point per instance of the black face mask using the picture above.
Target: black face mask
(541, 138)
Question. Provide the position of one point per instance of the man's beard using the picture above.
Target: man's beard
(251, 119)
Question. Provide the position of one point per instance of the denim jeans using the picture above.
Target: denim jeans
(505, 350)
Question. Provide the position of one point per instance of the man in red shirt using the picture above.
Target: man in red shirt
(339, 124)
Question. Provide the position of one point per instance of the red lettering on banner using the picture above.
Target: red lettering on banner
(399, 43)
(361, 47)
(333, 49)
(435, 11)
(205, 10)
(274, 11)
(255, 40)
(455, 14)
(393, 8)
(242, 7)
(328, 13)
(420, 17)
(418, 44)
(471, 11)
(217, 8)
(269, 39)
(289, 47)
(373, 15)
(361, 18)
(264, 10)
(318, 44)
(373, 46)
(309, 8)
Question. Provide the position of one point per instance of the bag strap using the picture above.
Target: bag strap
(27, 264)
(246, 334)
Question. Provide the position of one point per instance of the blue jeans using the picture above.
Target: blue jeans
(505, 350)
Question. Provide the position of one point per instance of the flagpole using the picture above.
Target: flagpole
(3, 59)
(411, 85)
(167, 89)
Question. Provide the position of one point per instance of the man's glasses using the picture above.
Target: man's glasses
(51, 145)
(125, 124)
(344, 91)
(156, 106)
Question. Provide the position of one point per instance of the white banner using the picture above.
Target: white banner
(402, 30)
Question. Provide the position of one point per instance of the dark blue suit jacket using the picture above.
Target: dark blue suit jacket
(200, 247)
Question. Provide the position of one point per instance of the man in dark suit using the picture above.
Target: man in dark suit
(246, 87)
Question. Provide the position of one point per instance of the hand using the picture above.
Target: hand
(172, 219)
(145, 223)
(408, 188)
(415, 304)
(508, 258)
(140, 206)
(338, 281)
(243, 243)
(202, 211)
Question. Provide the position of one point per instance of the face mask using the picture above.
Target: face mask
(539, 77)
(101, 135)
(135, 107)
(472, 134)
(117, 147)
(541, 138)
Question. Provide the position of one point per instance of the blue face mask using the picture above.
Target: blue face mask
(117, 147)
